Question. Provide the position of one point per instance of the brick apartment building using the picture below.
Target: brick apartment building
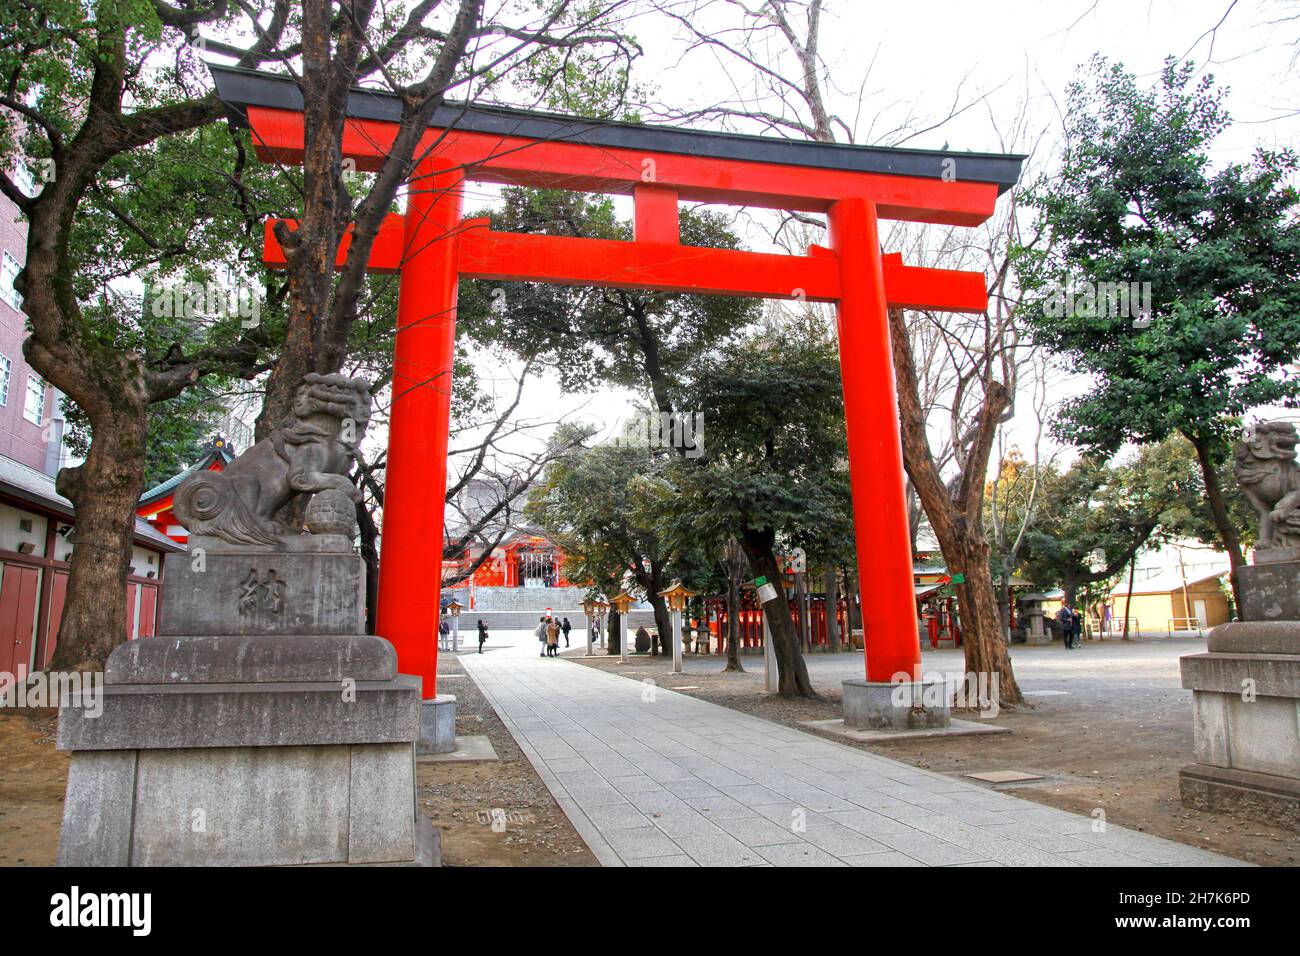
(37, 525)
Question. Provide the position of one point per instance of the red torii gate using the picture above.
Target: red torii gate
(431, 248)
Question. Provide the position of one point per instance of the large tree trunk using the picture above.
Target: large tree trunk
(956, 517)
(733, 627)
(981, 624)
(793, 672)
(1219, 509)
(1004, 605)
(370, 555)
(801, 613)
(653, 583)
(854, 599)
(104, 490)
(1128, 598)
(832, 610)
(663, 642)
(613, 632)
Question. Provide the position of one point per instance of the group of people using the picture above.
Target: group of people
(1071, 623)
(549, 632)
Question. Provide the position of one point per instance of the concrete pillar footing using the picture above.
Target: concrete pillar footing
(437, 725)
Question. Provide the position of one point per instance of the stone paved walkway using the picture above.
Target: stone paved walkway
(650, 777)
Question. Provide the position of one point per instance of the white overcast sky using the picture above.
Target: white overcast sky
(913, 61)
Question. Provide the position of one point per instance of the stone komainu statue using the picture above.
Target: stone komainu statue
(1270, 478)
(308, 454)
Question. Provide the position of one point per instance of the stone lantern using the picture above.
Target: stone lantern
(454, 608)
(589, 609)
(601, 608)
(622, 603)
(676, 595)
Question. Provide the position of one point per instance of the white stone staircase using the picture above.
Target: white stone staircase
(532, 600)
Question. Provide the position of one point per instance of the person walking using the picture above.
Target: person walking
(552, 637)
(1065, 620)
(566, 627)
(1077, 621)
(482, 634)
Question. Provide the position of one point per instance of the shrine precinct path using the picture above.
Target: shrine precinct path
(650, 777)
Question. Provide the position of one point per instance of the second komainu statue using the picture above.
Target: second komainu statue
(310, 453)
(1270, 479)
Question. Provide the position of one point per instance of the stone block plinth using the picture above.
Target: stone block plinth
(1246, 713)
(916, 705)
(437, 725)
(250, 751)
(211, 592)
(1270, 588)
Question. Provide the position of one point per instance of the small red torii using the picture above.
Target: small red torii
(431, 248)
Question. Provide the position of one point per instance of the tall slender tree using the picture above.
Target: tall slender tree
(1176, 284)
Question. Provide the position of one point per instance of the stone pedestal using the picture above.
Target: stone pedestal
(919, 705)
(1270, 588)
(223, 747)
(1246, 701)
(215, 590)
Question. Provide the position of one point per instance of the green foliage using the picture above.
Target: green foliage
(180, 213)
(774, 447)
(586, 80)
(633, 339)
(1136, 200)
(603, 504)
(1111, 508)
(178, 428)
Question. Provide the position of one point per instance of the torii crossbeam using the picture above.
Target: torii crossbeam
(432, 248)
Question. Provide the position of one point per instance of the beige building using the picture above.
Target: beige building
(1172, 601)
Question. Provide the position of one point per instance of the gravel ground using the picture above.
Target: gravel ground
(493, 813)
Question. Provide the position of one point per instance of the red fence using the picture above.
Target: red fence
(751, 622)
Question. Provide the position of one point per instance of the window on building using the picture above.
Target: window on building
(34, 407)
(6, 368)
(8, 275)
(24, 179)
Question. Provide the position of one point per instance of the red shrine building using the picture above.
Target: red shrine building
(523, 560)
(155, 506)
(498, 551)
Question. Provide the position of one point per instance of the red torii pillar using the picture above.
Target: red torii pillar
(419, 419)
(880, 525)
